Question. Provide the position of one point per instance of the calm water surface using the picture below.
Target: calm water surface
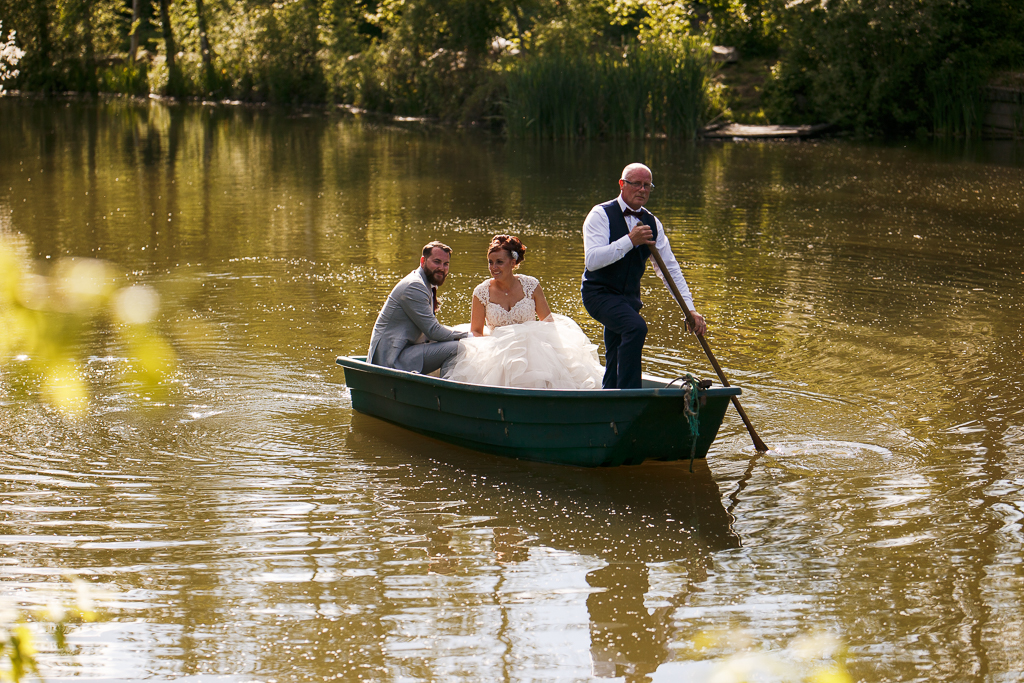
(249, 526)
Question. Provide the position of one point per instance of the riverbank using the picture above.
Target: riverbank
(802, 64)
(750, 113)
(1003, 121)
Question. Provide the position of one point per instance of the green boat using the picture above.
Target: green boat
(591, 428)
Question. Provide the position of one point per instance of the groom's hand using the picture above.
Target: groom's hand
(641, 234)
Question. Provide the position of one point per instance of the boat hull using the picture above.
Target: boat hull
(591, 428)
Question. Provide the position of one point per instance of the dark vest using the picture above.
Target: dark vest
(622, 277)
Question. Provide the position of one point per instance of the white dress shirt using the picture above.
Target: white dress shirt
(598, 253)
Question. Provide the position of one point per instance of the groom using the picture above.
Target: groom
(617, 240)
(407, 335)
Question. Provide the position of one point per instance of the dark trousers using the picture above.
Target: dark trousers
(624, 335)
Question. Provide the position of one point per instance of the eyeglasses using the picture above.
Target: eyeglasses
(637, 183)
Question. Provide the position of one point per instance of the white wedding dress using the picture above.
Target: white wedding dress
(521, 351)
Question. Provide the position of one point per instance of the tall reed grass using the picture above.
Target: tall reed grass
(957, 102)
(648, 90)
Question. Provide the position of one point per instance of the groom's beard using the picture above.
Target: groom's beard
(435, 277)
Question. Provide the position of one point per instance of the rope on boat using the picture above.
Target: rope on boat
(691, 407)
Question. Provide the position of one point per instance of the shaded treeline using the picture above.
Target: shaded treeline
(546, 67)
(895, 65)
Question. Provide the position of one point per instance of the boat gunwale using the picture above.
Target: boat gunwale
(359, 363)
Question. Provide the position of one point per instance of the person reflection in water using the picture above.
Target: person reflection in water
(406, 335)
(626, 639)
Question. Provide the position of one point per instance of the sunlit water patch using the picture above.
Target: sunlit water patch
(829, 457)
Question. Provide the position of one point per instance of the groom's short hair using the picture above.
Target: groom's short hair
(430, 247)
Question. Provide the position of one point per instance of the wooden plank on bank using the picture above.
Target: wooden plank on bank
(1004, 116)
(738, 130)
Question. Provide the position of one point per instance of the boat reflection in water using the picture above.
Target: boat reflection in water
(625, 523)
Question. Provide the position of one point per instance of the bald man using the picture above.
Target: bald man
(618, 237)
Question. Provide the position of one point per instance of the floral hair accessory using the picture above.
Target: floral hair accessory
(515, 255)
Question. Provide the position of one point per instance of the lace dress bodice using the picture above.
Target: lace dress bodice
(521, 351)
(524, 310)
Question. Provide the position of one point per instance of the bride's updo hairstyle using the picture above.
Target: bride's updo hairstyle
(515, 248)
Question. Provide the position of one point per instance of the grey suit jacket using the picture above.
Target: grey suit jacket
(407, 318)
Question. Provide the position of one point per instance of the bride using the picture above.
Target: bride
(509, 346)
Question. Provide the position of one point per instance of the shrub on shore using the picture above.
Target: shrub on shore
(894, 67)
(872, 66)
(450, 59)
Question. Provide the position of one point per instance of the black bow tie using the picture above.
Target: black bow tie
(630, 212)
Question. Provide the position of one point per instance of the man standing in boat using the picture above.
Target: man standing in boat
(407, 335)
(617, 240)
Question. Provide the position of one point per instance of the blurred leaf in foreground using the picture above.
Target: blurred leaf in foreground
(45, 318)
(18, 637)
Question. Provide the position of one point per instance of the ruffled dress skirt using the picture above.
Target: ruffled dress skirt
(530, 355)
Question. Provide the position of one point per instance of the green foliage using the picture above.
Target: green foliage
(390, 78)
(432, 58)
(279, 55)
(46, 316)
(131, 79)
(66, 42)
(18, 642)
(754, 27)
(426, 26)
(894, 66)
(651, 89)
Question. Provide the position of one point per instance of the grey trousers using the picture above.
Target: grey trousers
(427, 357)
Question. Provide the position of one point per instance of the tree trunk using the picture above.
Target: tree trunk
(42, 16)
(204, 47)
(173, 76)
(90, 50)
(133, 49)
